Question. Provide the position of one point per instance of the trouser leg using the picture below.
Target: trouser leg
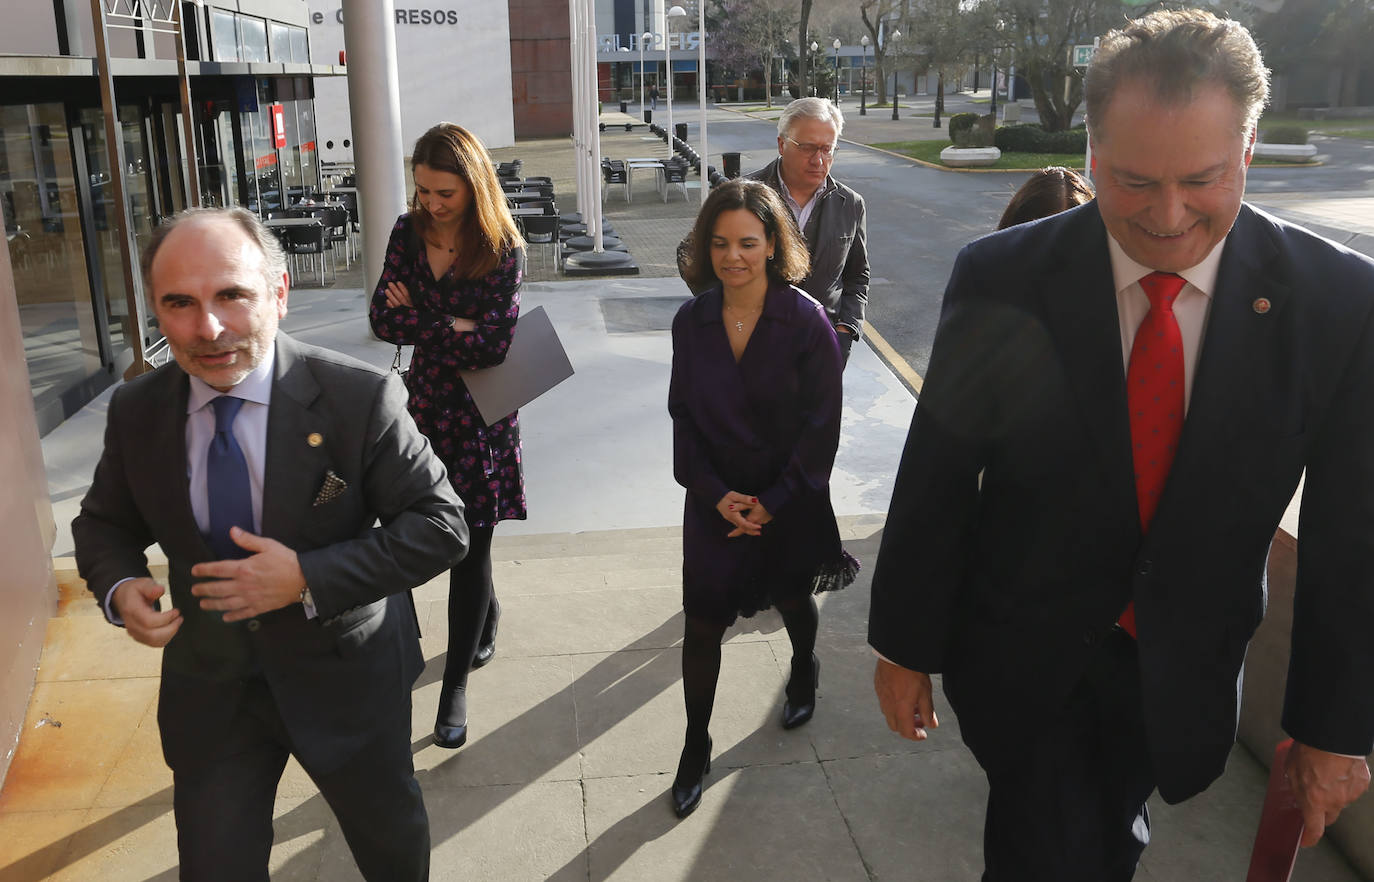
(380, 808)
(223, 803)
(1073, 807)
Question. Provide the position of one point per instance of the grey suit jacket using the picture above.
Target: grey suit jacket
(1013, 541)
(338, 677)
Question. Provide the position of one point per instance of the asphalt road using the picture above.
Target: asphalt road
(919, 218)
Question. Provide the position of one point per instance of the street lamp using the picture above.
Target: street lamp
(620, 67)
(836, 46)
(675, 12)
(863, 78)
(703, 169)
(812, 59)
(892, 50)
(646, 37)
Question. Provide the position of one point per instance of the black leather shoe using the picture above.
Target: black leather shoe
(487, 647)
(451, 722)
(687, 784)
(452, 737)
(800, 705)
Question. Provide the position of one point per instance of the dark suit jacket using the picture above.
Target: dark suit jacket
(1006, 588)
(340, 677)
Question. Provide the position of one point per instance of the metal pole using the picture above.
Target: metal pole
(188, 118)
(892, 48)
(863, 81)
(575, 82)
(668, 63)
(593, 155)
(703, 172)
(374, 101)
(641, 76)
(114, 149)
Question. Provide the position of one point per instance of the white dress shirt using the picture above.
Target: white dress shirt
(250, 430)
(1191, 308)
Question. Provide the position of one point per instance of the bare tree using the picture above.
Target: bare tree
(874, 13)
(750, 35)
(1043, 33)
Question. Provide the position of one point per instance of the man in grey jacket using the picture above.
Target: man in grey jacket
(831, 216)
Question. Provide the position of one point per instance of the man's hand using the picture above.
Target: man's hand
(270, 579)
(1323, 784)
(135, 601)
(906, 698)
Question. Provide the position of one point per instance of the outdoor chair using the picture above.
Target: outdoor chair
(674, 173)
(613, 171)
(542, 230)
(308, 240)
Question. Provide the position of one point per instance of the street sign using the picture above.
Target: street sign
(1082, 55)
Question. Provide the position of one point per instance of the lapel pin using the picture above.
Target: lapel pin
(315, 439)
(1261, 305)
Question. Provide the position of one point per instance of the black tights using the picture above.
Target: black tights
(701, 663)
(470, 597)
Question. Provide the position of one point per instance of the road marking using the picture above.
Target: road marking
(895, 361)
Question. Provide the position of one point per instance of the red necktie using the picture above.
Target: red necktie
(1154, 397)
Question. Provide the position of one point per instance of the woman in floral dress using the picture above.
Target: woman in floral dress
(450, 287)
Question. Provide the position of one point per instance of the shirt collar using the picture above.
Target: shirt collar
(256, 387)
(1126, 272)
(822, 190)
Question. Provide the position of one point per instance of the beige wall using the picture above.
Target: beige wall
(27, 588)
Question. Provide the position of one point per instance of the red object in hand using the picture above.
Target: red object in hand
(1280, 826)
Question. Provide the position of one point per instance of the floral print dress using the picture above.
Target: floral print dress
(483, 462)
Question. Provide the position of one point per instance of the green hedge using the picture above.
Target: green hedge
(1285, 134)
(1032, 138)
(961, 122)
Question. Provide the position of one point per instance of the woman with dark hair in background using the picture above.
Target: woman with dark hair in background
(1048, 191)
(755, 402)
(451, 287)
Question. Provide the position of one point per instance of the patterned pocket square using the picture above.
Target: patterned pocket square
(331, 488)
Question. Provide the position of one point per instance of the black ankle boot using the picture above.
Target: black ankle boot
(486, 647)
(451, 723)
(800, 705)
(692, 766)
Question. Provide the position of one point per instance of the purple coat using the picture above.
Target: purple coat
(768, 426)
(483, 461)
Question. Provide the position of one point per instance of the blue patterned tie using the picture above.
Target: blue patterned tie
(227, 490)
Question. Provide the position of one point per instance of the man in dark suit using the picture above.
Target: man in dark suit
(297, 505)
(1081, 563)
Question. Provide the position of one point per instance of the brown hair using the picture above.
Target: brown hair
(1048, 191)
(273, 258)
(451, 148)
(790, 262)
(1175, 51)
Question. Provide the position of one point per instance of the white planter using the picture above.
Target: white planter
(969, 157)
(1285, 152)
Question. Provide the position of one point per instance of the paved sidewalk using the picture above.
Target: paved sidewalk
(576, 724)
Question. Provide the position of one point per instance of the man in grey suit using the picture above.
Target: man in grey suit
(297, 505)
(831, 216)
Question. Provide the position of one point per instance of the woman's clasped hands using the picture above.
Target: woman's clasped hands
(745, 512)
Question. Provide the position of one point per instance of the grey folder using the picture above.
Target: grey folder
(534, 364)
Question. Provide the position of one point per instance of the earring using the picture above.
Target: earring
(770, 257)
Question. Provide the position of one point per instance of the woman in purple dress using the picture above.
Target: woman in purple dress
(451, 287)
(755, 402)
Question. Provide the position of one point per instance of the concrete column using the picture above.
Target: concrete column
(374, 101)
(28, 593)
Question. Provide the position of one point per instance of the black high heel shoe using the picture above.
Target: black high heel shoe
(800, 705)
(451, 723)
(687, 783)
(487, 647)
